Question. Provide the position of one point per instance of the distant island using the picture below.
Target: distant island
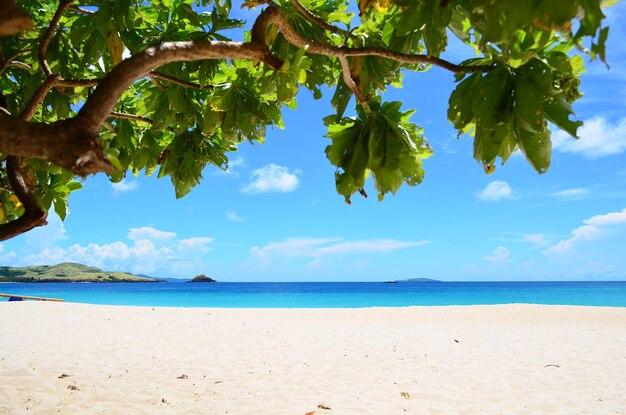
(202, 278)
(412, 280)
(66, 272)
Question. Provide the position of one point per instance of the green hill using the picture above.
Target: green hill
(66, 272)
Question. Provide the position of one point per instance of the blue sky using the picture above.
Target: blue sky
(276, 216)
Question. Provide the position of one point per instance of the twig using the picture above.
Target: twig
(177, 81)
(38, 97)
(79, 10)
(316, 20)
(130, 117)
(77, 83)
(156, 82)
(275, 17)
(347, 78)
(22, 65)
(10, 60)
(45, 41)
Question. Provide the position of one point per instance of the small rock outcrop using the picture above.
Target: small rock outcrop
(202, 278)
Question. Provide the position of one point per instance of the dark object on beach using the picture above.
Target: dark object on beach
(16, 299)
(202, 278)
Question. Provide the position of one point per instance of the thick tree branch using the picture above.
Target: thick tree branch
(45, 41)
(33, 214)
(65, 143)
(107, 93)
(13, 20)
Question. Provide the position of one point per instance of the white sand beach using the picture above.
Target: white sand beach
(510, 359)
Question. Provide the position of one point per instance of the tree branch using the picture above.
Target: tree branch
(177, 81)
(316, 20)
(273, 16)
(45, 41)
(347, 78)
(111, 87)
(5, 64)
(65, 143)
(38, 97)
(130, 117)
(33, 214)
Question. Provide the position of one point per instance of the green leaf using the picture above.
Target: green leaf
(529, 110)
(558, 113)
(537, 147)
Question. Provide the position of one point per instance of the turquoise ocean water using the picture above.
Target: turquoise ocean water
(329, 295)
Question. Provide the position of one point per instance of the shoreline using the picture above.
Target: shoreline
(488, 359)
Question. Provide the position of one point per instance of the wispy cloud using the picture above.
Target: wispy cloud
(598, 138)
(124, 186)
(499, 255)
(272, 179)
(495, 191)
(572, 194)
(195, 245)
(590, 230)
(150, 233)
(316, 247)
(537, 240)
(232, 216)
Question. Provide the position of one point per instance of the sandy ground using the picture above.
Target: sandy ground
(511, 359)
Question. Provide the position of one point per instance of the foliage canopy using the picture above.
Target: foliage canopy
(159, 87)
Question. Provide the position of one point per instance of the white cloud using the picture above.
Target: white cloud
(292, 247)
(124, 186)
(233, 216)
(271, 179)
(195, 245)
(150, 251)
(598, 138)
(141, 257)
(150, 233)
(316, 247)
(500, 254)
(495, 192)
(577, 193)
(611, 218)
(590, 230)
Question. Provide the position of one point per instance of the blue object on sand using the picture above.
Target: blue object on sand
(16, 299)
